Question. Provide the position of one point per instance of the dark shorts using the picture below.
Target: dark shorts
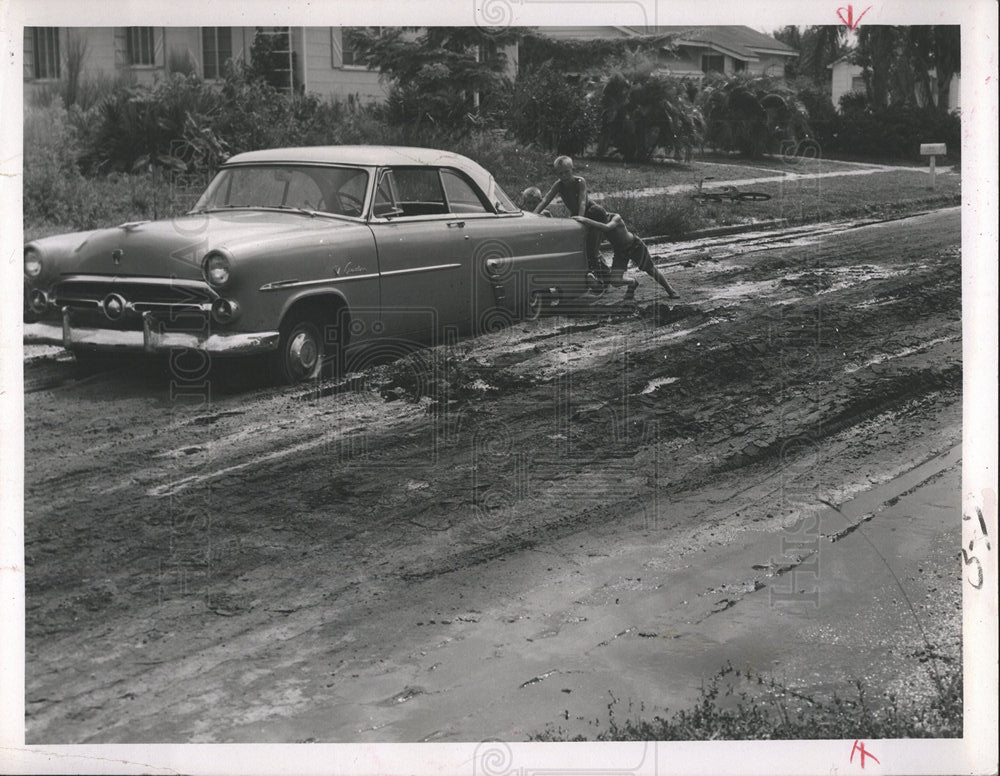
(637, 253)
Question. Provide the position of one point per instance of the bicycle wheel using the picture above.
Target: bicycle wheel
(752, 196)
(702, 199)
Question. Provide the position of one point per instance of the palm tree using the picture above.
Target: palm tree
(898, 61)
(947, 47)
(642, 111)
(877, 53)
(821, 45)
(751, 114)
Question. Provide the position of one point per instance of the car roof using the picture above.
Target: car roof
(368, 156)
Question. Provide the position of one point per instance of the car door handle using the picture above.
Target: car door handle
(456, 224)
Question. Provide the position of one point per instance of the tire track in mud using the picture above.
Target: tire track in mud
(690, 368)
(508, 447)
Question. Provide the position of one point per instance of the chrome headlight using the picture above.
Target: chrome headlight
(225, 310)
(32, 263)
(216, 269)
(38, 301)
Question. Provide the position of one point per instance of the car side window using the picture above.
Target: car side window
(385, 201)
(462, 196)
(417, 191)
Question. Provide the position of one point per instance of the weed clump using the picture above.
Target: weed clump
(744, 705)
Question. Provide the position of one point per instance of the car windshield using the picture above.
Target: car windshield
(338, 191)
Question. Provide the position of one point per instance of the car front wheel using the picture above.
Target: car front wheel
(301, 351)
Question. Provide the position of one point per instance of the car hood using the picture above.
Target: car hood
(176, 248)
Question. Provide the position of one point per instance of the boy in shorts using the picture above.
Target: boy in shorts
(628, 247)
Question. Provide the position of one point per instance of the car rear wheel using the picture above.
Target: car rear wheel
(305, 346)
(536, 304)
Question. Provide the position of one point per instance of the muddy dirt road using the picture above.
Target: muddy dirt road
(485, 538)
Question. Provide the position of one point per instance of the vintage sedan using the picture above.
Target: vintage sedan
(304, 253)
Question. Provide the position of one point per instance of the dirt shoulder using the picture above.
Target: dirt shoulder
(401, 557)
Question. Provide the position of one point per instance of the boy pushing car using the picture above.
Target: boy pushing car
(628, 247)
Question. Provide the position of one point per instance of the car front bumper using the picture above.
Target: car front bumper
(152, 339)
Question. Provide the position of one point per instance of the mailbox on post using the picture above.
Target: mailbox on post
(932, 150)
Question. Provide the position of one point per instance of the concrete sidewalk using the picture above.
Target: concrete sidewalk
(681, 188)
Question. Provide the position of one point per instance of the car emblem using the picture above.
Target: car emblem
(114, 306)
(116, 256)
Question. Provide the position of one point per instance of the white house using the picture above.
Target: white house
(320, 60)
(847, 77)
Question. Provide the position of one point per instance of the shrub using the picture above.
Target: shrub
(657, 216)
(548, 109)
(642, 111)
(895, 131)
(824, 121)
(751, 114)
(52, 179)
(141, 125)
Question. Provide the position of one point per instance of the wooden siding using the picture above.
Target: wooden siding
(327, 77)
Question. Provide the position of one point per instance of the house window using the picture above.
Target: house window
(739, 66)
(271, 53)
(350, 51)
(216, 50)
(713, 63)
(857, 83)
(140, 46)
(45, 52)
(487, 51)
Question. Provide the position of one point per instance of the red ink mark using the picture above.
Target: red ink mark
(859, 746)
(850, 21)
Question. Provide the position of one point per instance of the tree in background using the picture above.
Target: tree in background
(898, 61)
(451, 77)
(818, 47)
(946, 41)
(549, 109)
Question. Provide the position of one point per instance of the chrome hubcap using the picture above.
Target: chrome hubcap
(303, 353)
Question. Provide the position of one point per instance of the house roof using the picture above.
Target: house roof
(845, 59)
(737, 40)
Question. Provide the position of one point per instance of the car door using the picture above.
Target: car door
(423, 255)
(515, 254)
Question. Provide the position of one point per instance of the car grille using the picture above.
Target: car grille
(180, 305)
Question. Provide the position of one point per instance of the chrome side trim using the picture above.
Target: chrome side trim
(279, 285)
(421, 269)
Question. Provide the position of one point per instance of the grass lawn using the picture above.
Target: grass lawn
(605, 176)
(878, 195)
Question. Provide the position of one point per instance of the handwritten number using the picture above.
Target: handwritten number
(969, 560)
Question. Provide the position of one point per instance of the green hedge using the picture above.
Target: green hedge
(894, 132)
